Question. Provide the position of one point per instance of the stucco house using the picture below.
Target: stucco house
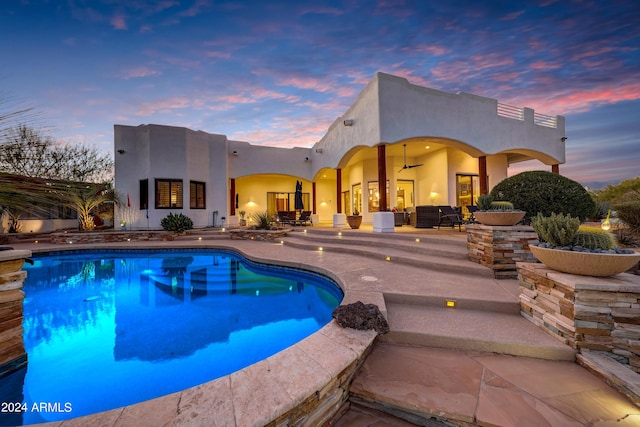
(429, 148)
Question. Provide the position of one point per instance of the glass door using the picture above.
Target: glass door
(467, 192)
(404, 194)
(356, 191)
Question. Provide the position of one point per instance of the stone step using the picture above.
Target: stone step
(445, 262)
(412, 245)
(454, 239)
(477, 298)
(474, 330)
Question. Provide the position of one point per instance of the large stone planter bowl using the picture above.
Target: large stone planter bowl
(499, 217)
(585, 263)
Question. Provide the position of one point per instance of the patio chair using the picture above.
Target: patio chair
(283, 217)
(472, 209)
(448, 216)
(305, 218)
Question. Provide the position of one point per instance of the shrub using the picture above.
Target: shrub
(545, 192)
(484, 202)
(602, 209)
(176, 223)
(262, 220)
(628, 210)
(557, 230)
(613, 192)
(593, 238)
(625, 237)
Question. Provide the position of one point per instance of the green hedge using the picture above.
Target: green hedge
(545, 192)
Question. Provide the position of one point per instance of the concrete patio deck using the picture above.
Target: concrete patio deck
(441, 386)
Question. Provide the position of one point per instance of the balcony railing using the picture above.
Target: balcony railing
(544, 120)
(517, 113)
(510, 111)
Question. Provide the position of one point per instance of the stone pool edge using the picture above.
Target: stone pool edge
(305, 384)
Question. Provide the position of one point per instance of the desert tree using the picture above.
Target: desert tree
(27, 152)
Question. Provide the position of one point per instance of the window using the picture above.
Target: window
(168, 193)
(374, 196)
(196, 195)
(404, 194)
(277, 202)
(144, 194)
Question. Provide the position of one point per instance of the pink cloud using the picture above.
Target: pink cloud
(197, 8)
(217, 54)
(507, 77)
(119, 22)
(512, 16)
(558, 101)
(139, 72)
(305, 83)
(163, 106)
(286, 132)
(409, 75)
(491, 60)
(544, 65)
(436, 50)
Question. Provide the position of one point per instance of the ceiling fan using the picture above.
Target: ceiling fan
(405, 160)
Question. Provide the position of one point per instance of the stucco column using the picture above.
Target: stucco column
(555, 169)
(338, 190)
(382, 176)
(232, 196)
(313, 198)
(383, 220)
(339, 219)
(482, 174)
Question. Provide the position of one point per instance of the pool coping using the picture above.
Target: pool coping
(304, 384)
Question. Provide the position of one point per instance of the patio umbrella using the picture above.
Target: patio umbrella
(298, 198)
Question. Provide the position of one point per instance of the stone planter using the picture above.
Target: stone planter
(499, 217)
(585, 263)
(354, 221)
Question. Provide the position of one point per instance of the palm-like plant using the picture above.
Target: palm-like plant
(36, 195)
(85, 200)
(18, 195)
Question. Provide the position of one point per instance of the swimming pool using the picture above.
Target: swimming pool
(108, 329)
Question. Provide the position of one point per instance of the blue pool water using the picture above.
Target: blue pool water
(108, 329)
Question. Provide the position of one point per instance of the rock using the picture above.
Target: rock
(361, 316)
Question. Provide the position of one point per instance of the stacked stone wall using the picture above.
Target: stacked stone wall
(109, 236)
(12, 277)
(500, 247)
(260, 235)
(593, 313)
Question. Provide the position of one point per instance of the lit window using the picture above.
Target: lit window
(168, 193)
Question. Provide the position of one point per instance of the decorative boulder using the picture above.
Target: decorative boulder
(361, 316)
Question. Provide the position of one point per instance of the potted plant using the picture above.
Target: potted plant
(354, 220)
(568, 247)
(501, 212)
(243, 222)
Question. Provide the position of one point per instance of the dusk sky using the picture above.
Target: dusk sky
(279, 73)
